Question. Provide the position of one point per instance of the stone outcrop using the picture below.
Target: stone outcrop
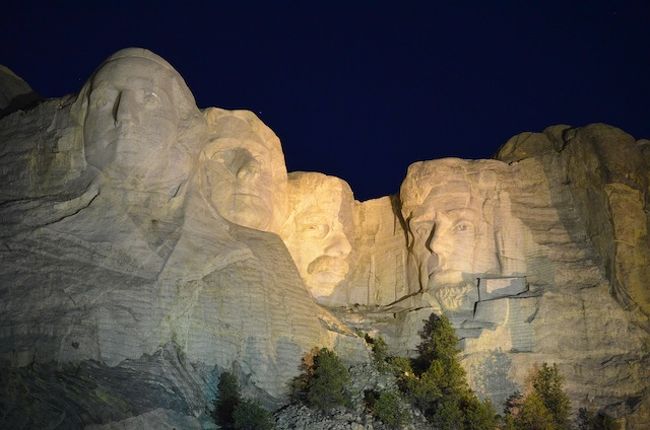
(15, 93)
(147, 245)
(113, 247)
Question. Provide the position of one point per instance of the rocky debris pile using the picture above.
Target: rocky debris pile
(365, 378)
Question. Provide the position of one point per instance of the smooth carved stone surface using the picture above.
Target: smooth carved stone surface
(460, 227)
(113, 241)
(145, 240)
(246, 176)
(318, 229)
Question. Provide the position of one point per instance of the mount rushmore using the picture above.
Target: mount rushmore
(149, 245)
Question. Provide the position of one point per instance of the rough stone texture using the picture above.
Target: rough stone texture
(15, 93)
(607, 173)
(146, 246)
(73, 395)
(112, 244)
(364, 377)
(317, 229)
(156, 419)
(378, 258)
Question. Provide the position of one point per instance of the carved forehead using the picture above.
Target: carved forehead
(135, 70)
(312, 192)
(448, 184)
(139, 68)
(241, 125)
(233, 129)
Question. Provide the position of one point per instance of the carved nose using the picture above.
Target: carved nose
(248, 169)
(125, 109)
(339, 246)
(433, 263)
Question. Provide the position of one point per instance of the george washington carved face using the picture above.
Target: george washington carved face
(134, 108)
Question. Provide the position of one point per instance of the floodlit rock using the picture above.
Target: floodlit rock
(247, 178)
(460, 227)
(317, 230)
(114, 243)
(146, 246)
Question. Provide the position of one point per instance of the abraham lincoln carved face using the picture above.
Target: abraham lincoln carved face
(457, 220)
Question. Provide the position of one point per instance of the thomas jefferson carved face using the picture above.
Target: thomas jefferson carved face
(135, 103)
(315, 232)
(450, 208)
(245, 171)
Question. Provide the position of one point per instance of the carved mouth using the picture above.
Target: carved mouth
(328, 268)
(248, 195)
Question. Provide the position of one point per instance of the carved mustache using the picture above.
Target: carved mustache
(326, 263)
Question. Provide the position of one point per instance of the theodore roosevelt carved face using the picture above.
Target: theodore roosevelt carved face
(315, 231)
(458, 225)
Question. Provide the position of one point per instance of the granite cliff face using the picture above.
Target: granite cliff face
(146, 240)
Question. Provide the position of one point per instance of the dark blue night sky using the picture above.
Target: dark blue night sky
(362, 89)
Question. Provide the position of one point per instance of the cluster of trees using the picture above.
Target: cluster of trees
(324, 382)
(231, 411)
(434, 382)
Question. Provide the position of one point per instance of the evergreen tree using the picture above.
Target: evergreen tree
(439, 387)
(249, 415)
(228, 398)
(388, 409)
(534, 415)
(439, 342)
(379, 352)
(327, 386)
(547, 383)
(545, 407)
(588, 420)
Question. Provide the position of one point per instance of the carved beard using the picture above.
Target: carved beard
(451, 297)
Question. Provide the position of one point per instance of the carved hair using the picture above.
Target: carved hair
(243, 124)
(486, 180)
(315, 182)
(189, 116)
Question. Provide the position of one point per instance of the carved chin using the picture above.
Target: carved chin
(451, 297)
(250, 211)
(322, 284)
(323, 276)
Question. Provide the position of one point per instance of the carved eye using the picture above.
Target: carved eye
(316, 230)
(462, 226)
(151, 99)
(101, 102)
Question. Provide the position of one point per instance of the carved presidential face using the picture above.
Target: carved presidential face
(131, 119)
(315, 233)
(245, 170)
(241, 182)
(452, 239)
